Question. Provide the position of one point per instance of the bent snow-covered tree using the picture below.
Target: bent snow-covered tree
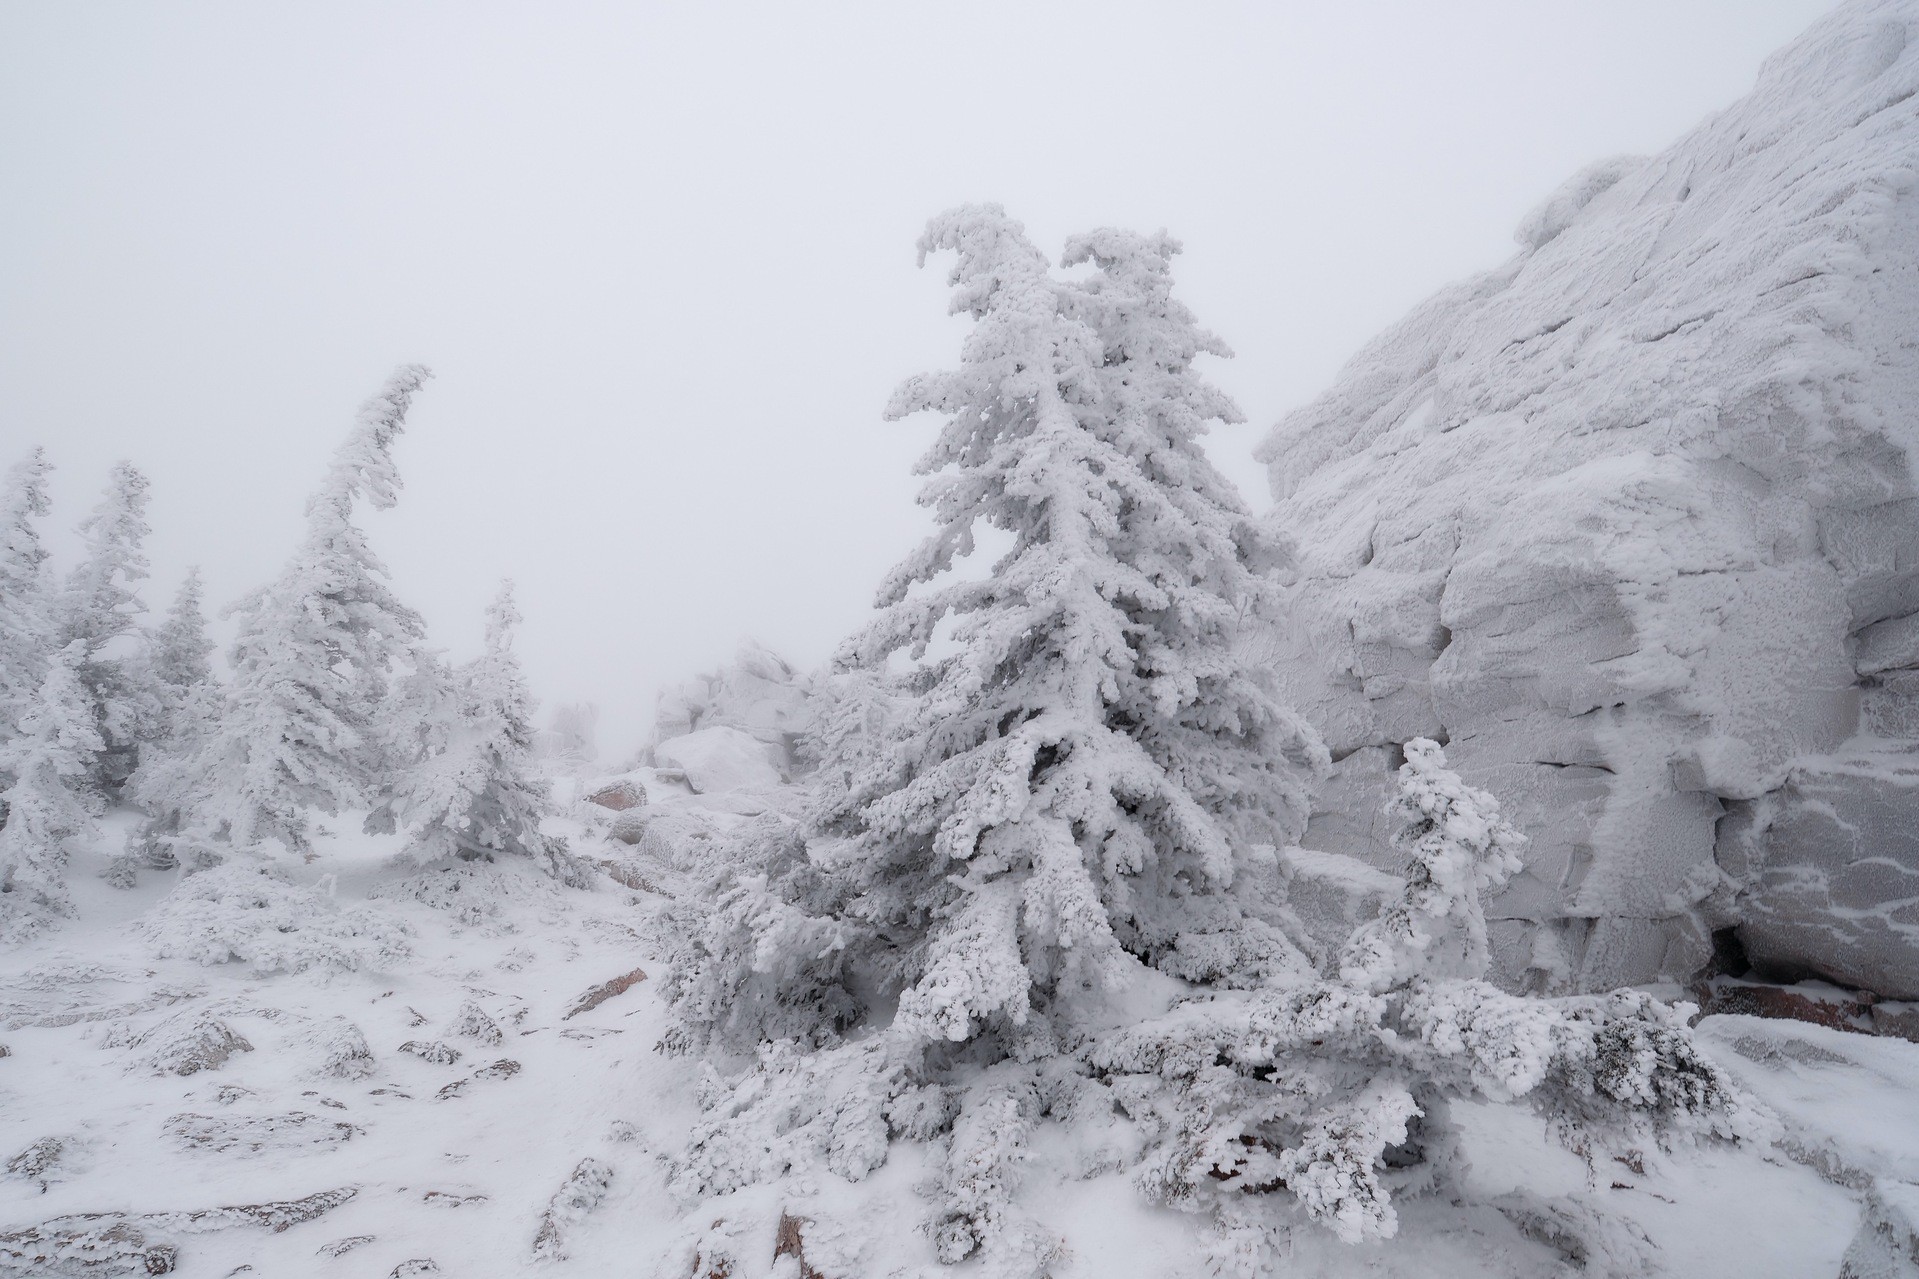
(471, 789)
(49, 801)
(311, 662)
(26, 624)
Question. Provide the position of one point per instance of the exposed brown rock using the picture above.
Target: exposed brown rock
(619, 797)
(788, 1242)
(604, 991)
(1751, 999)
(1900, 1021)
(626, 876)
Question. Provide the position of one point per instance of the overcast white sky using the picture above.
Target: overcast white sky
(661, 257)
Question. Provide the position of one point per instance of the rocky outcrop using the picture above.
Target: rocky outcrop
(1630, 522)
(759, 695)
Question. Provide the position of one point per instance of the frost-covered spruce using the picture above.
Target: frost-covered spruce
(1333, 1094)
(178, 673)
(1071, 789)
(49, 801)
(179, 661)
(471, 788)
(1072, 792)
(315, 649)
(97, 609)
(26, 622)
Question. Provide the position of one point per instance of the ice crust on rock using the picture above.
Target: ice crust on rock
(1631, 521)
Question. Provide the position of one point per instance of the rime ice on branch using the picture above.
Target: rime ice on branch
(1335, 1092)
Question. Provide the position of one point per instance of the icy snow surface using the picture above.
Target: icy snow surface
(1631, 519)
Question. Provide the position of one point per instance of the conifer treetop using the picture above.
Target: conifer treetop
(1088, 753)
(100, 599)
(23, 501)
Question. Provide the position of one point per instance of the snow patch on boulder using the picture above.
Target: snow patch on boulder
(716, 760)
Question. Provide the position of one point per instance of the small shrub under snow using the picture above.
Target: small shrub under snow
(251, 913)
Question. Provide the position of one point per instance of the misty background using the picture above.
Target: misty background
(661, 259)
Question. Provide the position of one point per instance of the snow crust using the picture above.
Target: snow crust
(1631, 520)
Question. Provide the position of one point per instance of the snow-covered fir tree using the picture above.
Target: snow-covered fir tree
(180, 654)
(49, 800)
(98, 609)
(297, 728)
(26, 620)
(1075, 788)
(470, 789)
(1072, 795)
(177, 671)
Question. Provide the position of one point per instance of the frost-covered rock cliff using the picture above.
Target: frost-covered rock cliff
(1632, 521)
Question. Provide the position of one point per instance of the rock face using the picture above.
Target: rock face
(1630, 522)
(1830, 862)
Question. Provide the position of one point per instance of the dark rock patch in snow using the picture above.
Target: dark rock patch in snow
(294, 1131)
(474, 1022)
(436, 1051)
(187, 1045)
(37, 1160)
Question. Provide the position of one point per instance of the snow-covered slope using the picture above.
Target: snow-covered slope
(1631, 519)
(456, 1111)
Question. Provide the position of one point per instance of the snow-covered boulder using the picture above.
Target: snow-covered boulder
(759, 694)
(1631, 521)
(720, 759)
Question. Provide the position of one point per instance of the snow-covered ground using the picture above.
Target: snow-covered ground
(566, 1128)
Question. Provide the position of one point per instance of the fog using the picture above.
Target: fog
(661, 258)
